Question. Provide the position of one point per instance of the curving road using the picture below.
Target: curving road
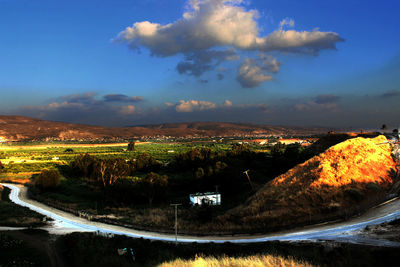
(342, 232)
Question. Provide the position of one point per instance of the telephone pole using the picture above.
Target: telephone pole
(248, 178)
(176, 222)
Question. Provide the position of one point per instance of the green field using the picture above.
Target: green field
(35, 157)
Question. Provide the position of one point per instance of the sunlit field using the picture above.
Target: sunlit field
(19, 158)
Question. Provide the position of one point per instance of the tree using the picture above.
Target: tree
(1, 166)
(199, 173)
(154, 185)
(48, 179)
(83, 165)
(278, 150)
(108, 171)
(131, 146)
(144, 162)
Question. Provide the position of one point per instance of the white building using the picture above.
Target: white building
(210, 198)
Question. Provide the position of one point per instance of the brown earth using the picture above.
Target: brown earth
(342, 178)
(17, 128)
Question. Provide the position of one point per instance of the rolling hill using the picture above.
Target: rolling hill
(17, 128)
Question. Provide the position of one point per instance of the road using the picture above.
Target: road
(347, 231)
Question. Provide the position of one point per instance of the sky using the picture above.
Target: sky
(125, 62)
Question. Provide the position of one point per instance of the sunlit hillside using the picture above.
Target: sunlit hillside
(340, 181)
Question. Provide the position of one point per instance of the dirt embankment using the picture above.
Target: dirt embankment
(345, 179)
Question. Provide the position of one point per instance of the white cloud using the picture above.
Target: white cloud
(127, 110)
(198, 62)
(228, 103)
(286, 22)
(250, 74)
(64, 104)
(194, 105)
(204, 25)
(298, 42)
(312, 106)
(212, 23)
(212, 31)
(269, 63)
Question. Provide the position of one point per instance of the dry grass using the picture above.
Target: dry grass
(250, 261)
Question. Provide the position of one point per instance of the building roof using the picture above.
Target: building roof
(204, 194)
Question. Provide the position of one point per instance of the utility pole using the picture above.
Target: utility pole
(248, 178)
(176, 222)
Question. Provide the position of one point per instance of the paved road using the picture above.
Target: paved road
(343, 231)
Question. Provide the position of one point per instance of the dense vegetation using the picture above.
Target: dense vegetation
(139, 189)
(135, 188)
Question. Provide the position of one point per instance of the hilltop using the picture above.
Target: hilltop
(17, 128)
(339, 181)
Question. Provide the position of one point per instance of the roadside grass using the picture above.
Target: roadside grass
(17, 216)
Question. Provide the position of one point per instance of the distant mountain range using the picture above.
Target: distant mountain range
(17, 128)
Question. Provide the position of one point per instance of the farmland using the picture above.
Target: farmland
(133, 185)
(188, 167)
(20, 158)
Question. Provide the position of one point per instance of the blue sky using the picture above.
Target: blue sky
(327, 63)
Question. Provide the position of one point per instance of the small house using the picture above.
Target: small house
(209, 198)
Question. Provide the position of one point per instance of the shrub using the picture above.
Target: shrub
(131, 146)
(354, 194)
(48, 179)
(373, 187)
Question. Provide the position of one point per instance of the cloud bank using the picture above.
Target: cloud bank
(322, 109)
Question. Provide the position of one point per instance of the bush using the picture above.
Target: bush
(131, 146)
(48, 179)
(354, 194)
(373, 186)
